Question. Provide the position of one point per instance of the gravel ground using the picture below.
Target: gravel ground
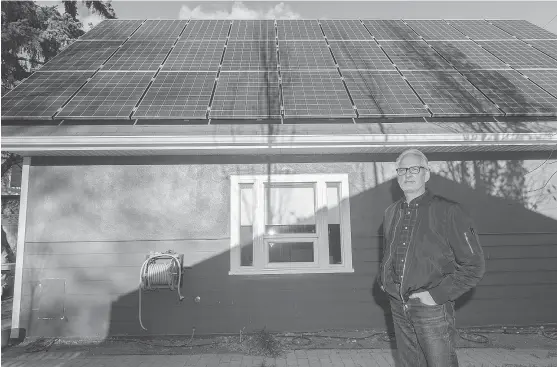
(271, 345)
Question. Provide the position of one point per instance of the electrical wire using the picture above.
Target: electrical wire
(147, 280)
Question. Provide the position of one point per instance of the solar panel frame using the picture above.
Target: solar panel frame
(360, 55)
(548, 47)
(250, 56)
(112, 30)
(479, 29)
(182, 95)
(390, 30)
(522, 29)
(253, 30)
(108, 95)
(156, 29)
(467, 55)
(518, 54)
(547, 79)
(414, 55)
(42, 94)
(206, 30)
(299, 30)
(382, 93)
(513, 93)
(435, 29)
(246, 95)
(448, 93)
(305, 55)
(346, 29)
(315, 94)
(82, 56)
(195, 56)
(139, 55)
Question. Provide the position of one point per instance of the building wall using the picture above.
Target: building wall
(91, 222)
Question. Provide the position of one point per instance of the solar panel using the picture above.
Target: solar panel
(467, 55)
(478, 29)
(447, 93)
(82, 55)
(250, 55)
(360, 55)
(108, 95)
(414, 55)
(40, 95)
(548, 47)
(518, 54)
(345, 30)
(139, 55)
(547, 79)
(305, 55)
(382, 94)
(385, 29)
(206, 30)
(112, 30)
(315, 94)
(253, 30)
(246, 94)
(513, 93)
(195, 56)
(435, 30)
(177, 95)
(523, 29)
(159, 30)
(299, 30)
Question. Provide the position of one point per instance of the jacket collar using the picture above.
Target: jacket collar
(422, 200)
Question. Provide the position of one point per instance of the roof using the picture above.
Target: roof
(460, 82)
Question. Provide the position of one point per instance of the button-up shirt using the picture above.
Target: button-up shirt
(404, 231)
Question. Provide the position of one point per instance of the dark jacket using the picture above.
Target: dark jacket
(444, 257)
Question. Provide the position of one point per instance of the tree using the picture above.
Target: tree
(100, 7)
(33, 34)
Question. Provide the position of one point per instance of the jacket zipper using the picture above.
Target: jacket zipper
(390, 248)
(468, 242)
(405, 261)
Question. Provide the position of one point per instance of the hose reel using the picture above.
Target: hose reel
(161, 270)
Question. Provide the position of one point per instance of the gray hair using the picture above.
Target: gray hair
(416, 152)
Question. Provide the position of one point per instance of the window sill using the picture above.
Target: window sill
(290, 271)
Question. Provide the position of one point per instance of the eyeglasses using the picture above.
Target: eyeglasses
(413, 170)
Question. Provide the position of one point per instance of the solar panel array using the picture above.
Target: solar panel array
(523, 29)
(435, 30)
(518, 54)
(253, 30)
(84, 55)
(479, 30)
(247, 95)
(250, 56)
(159, 30)
(177, 95)
(345, 30)
(548, 47)
(257, 69)
(109, 95)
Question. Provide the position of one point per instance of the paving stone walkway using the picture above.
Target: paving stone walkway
(469, 357)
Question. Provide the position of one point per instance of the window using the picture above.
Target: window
(284, 224)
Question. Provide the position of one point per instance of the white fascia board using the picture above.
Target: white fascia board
(249, 144)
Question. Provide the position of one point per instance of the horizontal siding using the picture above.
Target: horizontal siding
(93, 225)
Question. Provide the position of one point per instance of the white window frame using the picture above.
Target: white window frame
(261, 263)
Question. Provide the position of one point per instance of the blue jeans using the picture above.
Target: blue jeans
(425, 335)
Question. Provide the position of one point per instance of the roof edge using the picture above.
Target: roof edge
(95, 145)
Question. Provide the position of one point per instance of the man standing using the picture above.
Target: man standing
(432, 255)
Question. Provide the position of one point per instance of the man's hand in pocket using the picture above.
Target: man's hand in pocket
(424, 297)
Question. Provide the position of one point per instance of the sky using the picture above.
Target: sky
(541, 13)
